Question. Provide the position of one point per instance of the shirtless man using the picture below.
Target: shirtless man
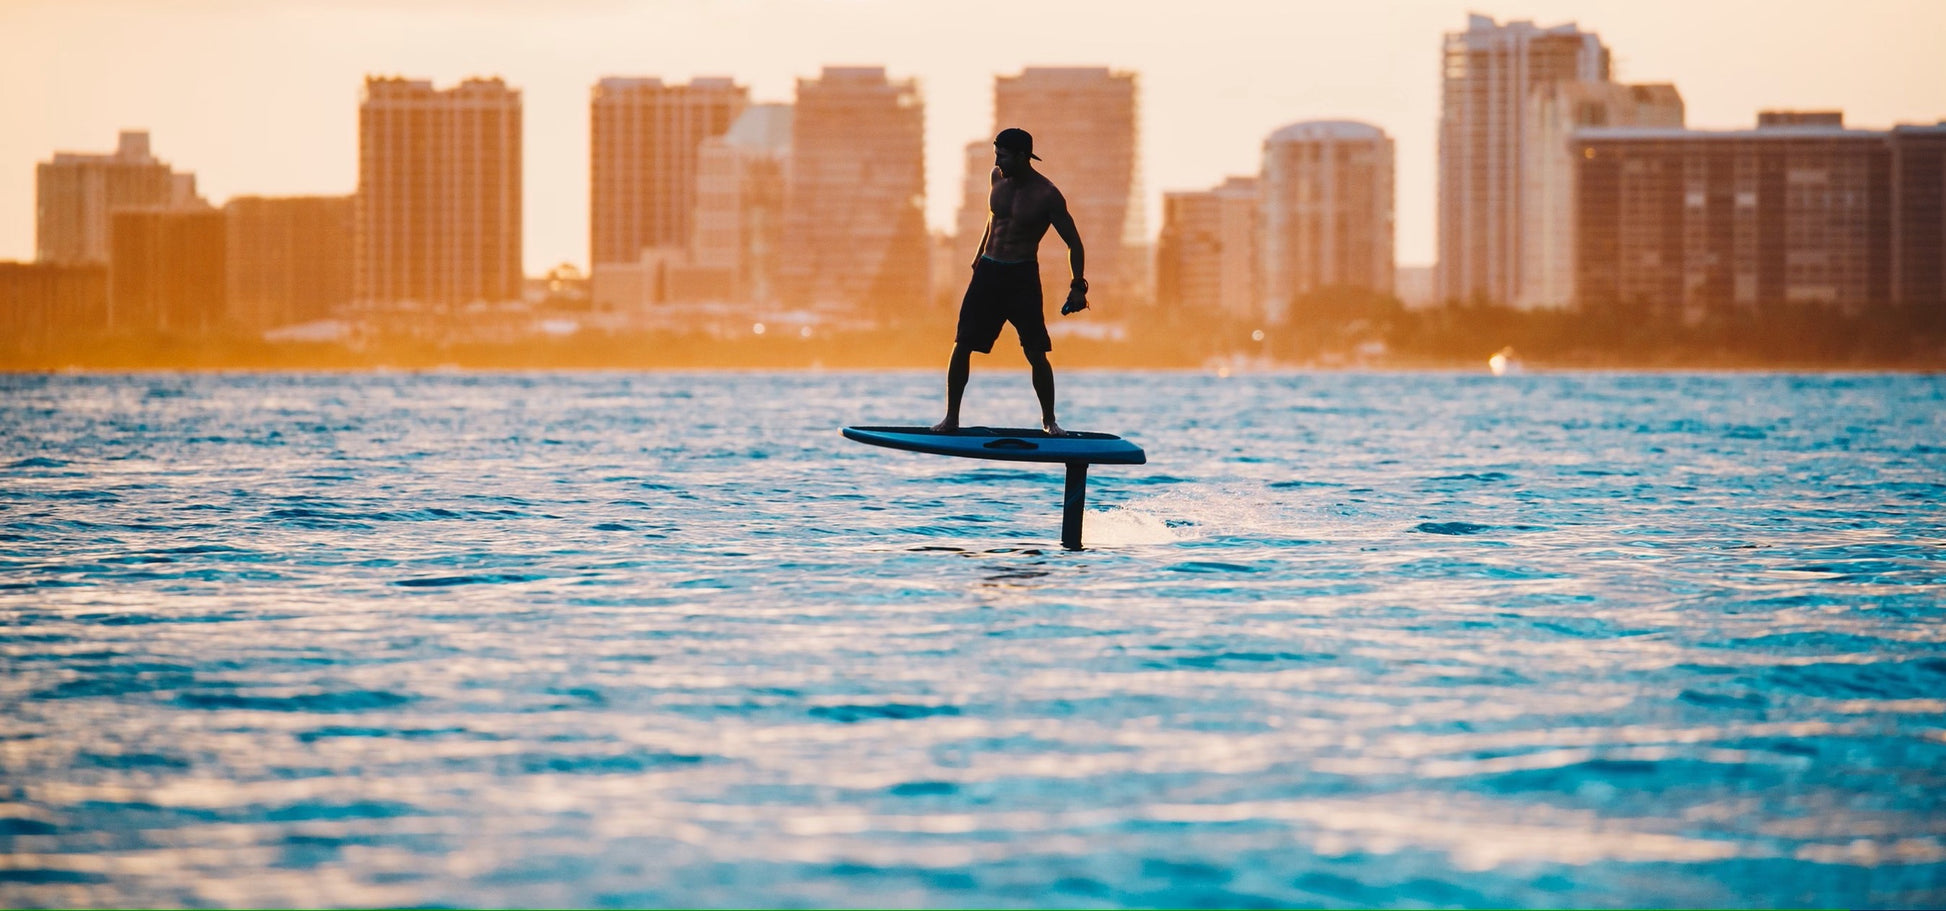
(1006, 285)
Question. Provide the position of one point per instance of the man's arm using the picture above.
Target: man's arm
(1077, 258)
(984, 237)
(987, 235)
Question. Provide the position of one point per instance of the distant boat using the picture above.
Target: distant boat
(1504, 361)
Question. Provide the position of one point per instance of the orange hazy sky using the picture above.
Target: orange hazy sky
(261, 97)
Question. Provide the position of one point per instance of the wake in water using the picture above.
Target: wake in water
(1202, 512)
(1127, 526)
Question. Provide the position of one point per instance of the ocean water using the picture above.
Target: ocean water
(620, 639)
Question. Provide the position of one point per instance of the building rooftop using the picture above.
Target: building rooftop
(618, 83)
(1237, 185)
(1673, 134)
(1063, 74)
(1314, 130)
(1476, 22)
(132, 146)
(853, 74)
(1774, 119)
(400, 87)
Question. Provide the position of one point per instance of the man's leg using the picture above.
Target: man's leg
(957, 370)
(1044, 389)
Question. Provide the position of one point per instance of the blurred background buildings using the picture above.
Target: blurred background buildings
(854, 236)
(645, 141)
(1209, 259)
(288, 258)
(742, 179)
(1317, 216)
(438, 204)
(1559, 190)
(1800, 210)
(1492, 76)
(79, 192)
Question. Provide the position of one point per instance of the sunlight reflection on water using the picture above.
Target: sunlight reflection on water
(667, 639)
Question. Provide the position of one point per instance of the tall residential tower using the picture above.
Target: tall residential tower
(1327, 211)
(77, 193)
(1490, 74)
(439, 184)
(644, 137)
(854, 235)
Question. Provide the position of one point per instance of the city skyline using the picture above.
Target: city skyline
(206, 100)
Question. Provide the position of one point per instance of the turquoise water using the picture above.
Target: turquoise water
(668, 639)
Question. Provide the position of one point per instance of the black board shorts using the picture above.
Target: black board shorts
(1003, 293)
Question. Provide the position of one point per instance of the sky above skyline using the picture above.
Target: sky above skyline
(262, 98)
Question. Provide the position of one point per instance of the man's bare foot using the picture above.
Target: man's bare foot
(1052, 429)
(948, 425)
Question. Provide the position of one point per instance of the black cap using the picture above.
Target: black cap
(1018, 140)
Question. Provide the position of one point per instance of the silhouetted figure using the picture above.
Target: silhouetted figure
(1006, 285)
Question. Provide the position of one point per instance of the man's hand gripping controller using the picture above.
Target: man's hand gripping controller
(1077, 297)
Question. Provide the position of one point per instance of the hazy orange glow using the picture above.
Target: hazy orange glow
(261, 99)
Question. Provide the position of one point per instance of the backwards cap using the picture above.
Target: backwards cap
(1018, 140)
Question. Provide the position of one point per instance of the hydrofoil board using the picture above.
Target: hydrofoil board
(1007, 444)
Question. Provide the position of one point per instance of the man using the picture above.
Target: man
(1006, 285)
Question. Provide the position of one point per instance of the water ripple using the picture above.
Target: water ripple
(667, 639)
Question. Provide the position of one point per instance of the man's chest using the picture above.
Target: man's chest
(1011, 200)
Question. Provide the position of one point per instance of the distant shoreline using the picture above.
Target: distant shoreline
(1142, 346)
(1478, 366)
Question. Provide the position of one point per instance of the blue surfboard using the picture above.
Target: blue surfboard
(1007, 444)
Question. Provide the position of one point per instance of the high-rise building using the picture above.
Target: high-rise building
(740, 204)
(1327, 211)
(1208, 252)
(1086, 130)
(167, 271)
(1919, 217)
(644, 138)
(77, 193)
(439, 184)
(1554, 112)
(1490, 74)
(854, 219)
(290, 258)
(1695, 222)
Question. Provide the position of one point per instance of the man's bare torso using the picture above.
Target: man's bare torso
(1022, 209)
